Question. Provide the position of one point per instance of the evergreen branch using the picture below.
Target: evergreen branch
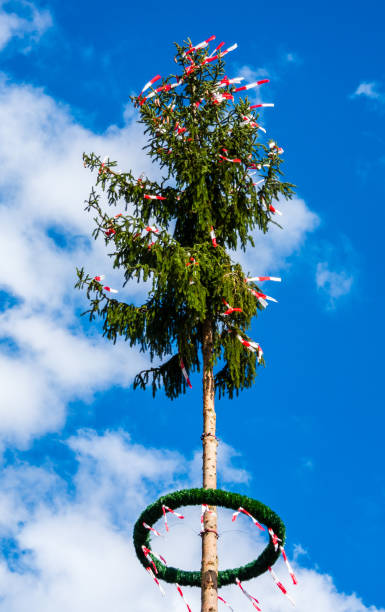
(168, 375)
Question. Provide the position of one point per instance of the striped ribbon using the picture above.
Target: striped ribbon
(155, 580)
(167, 509)
(225, 602)
(256, 523)
(293, 576)
(280, 585)
(182, 596)
(253, 600)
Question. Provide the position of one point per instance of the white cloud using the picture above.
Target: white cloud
(110, 458)
(291, 58)
(74, 552)
(227, 471)
(42, 187)
(334, 284)
(52, 366)
(27, 29)
(117, 464)
(298, 551)
(369, 90)
(252, 74)
(29, 406)
(273, 249)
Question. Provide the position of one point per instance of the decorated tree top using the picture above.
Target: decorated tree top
(219, 182)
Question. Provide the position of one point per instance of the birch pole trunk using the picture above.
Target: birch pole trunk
(209, 568)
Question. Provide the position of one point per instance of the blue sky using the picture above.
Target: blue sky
(307, 439)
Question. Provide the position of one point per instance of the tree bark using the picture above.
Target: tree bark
(209, 568)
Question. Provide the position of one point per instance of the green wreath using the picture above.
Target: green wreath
(214, 497)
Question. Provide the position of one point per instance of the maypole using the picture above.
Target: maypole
(220, 182)
(209, 533)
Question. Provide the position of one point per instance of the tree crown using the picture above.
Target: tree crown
(207, 146)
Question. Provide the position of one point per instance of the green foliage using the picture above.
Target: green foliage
(187, 132)
(217, 497)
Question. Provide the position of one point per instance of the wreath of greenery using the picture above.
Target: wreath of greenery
(214, 497)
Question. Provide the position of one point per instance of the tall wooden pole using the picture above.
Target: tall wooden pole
(209, 568)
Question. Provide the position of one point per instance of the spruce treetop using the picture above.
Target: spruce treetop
(219, 182)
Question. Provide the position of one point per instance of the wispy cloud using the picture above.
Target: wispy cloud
(307, 464)
(26, 25)
(51, 359)
(371, 91)
(292, 58)
(333, 283)
(299, 551)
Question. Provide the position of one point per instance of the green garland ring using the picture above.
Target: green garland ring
(214, 497)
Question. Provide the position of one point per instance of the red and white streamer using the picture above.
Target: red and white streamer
(166, 87)
(254, 347)
(216, 49)
(220, 54)
(182, 596)
(256, 523)
(280, 585)
(167, 509)
(263, 278)
(275, 148)
(152, 228)
(226, 51)
(155, 580)
(147, 552)
(275, 539)
(150, 83)
(201, 45)
(221, 97)
(99, 278)
(249, 121)
(236, 160)
(230, 309)
(184, 371)
(225, 602)
(213, 237)
(275, 211)
(260, 299)
(151, 529)
(204, 509)
(251, 85)
(258, 294)
(110, 232)
(264, 105)
(192, 262)
(226, 81)
(103, 164)
(290, 569)
(153, 197)
(110, 290)
(253, 600)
